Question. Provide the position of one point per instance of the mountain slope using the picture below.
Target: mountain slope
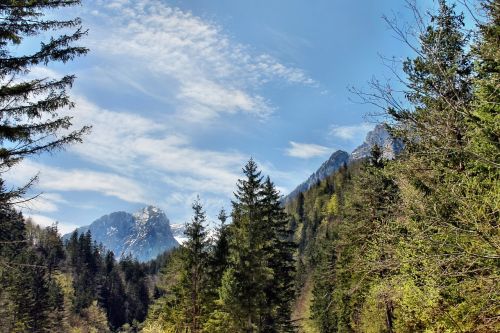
(334, 163)
(178, 232)
(381, 137)
(143, 235)
(378, 136)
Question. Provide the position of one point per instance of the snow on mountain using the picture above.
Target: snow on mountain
(143, 235)
(178, 232)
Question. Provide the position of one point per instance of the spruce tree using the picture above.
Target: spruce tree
(30, 300)
(258, 287)
(84, 271)
(439, 90)
(136, 291)
(245, 282)
(221, 247)
(112, 295)
(30, 107)
(479, 211)
(280, 248)
(218, 259)
(444, 205)
(196, 260)
(484, 120)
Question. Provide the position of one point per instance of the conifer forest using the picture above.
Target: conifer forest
(409, 243)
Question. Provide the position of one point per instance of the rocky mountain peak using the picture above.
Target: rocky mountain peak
(391, 147)
(149, 214)
(379, 136)
(334, 163)
(143, 234)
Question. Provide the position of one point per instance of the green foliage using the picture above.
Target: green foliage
(484, 120)
(258, 288)
(168, 313)
(411, 245)
(31, 123)
(195, 268)
(29, 298)
(243, 280)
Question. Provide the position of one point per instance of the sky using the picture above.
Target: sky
(181, 94)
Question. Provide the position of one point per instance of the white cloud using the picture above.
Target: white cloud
(198, 74)
(142, 156)
(212, 74)
(45, 202)
(350, 132)
(135, 146)
(306, 150)
(57, 179)
(45, 221)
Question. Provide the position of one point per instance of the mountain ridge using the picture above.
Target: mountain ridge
(143, 234)
(391, 147)
(335, 162)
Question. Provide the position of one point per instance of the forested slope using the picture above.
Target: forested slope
(412, 244)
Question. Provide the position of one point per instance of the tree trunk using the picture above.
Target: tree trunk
(389, 316)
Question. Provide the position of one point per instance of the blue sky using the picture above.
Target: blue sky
(182, 93)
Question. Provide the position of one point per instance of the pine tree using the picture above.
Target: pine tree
(244, 284)
(439, 88)
(280, 248)
(136, 291)
(196, 260)
(221, 248)
(30, 300)
(51, 247)
(84, 269)
(322, 307)
(30, 120)
(218, 260)
(258, 287)
(112, 295)
(484, 120)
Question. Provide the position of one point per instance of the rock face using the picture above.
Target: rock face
(178, 232)
(378, 136)
(334, 163)
(143, 235)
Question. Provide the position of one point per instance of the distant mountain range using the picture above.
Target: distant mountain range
(148, 232)
(378, 136)
(143, 235)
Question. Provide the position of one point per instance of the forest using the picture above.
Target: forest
(410, 244)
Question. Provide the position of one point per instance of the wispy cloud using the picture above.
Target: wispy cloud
(57, 179)
(45, 221)
(209, 73)
(135, 146)
(197, 77)
(350, 132)
(306, 150)
(45, 202)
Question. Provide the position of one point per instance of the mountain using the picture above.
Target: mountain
(334, 163)
(143, 235)
(391, 147)
(178, 232)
